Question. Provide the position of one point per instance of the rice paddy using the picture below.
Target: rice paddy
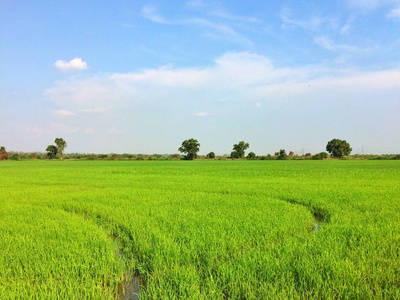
(200, 229)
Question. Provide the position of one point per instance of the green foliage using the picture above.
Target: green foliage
(190, 148)
(282, 154)
(61, 145)
(251, 155)
(338, 148)
(320, 156)
(13, 156)
(211, 155)
(239, 149)
(51, 151)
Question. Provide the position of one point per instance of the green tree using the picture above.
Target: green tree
(320, 156)
(338, 148)
(239, 149)
(251, 155)
(51, 151)
(211, 155)
(61, 145)
(190, 148)
(282, 154)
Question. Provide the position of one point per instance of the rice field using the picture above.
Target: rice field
(200, 229)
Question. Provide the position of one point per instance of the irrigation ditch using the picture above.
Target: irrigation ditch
(320, 215)
(133, 283)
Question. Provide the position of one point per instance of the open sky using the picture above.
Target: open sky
(142, 76)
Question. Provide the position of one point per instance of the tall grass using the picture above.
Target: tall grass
(200, 230)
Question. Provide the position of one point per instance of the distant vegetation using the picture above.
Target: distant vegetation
(339, 149)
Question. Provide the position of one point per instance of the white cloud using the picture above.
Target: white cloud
(75, 64)
(163, 102)
(311, 24)
(394, 14)
(221, 31)
(329, 44)
(150, 13)
(96, 109)
(62, 112)
(60, 128)
(231, 17)
(370, 5)
(232, 76)
(89, 131)
(202, 114)
(113, 130)
(37, 130)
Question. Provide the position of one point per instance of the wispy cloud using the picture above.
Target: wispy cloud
(221, 31)
(289, 22)
(367, 6)
(37, 131)
(61, 128)
(232, 17)
(76, 64)
(96, 109)
(159, 102)
(232, 74)
(150, 13)
(202, 114)
(113, 130)
(328, 44)
(89, 131)
(62, 113)
(394, 13)
(196, 3)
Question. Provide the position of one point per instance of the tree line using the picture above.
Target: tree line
(337, 149)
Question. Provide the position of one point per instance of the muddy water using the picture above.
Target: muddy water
(130, 290)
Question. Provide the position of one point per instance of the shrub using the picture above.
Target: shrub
(251, 155)
(211, 155)
(320, 156)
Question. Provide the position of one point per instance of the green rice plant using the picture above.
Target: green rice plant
(200, 229)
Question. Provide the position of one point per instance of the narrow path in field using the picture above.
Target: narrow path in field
(320, 215)
(130, 288)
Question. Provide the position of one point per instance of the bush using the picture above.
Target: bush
(211, 155)
(13, 156)
(320, 156)
(251, 155)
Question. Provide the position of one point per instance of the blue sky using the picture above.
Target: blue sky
(142, 76)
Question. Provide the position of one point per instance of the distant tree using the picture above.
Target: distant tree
(251, 155)
(338, 148)
(239, 149)
(61, 145)
(13, 156)
(320, 156)
(211, 155)
(276, 153)
(190, 148)
(291, 153)
(308, 154)
(3, 153)
(51, 151)
(282, 154)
